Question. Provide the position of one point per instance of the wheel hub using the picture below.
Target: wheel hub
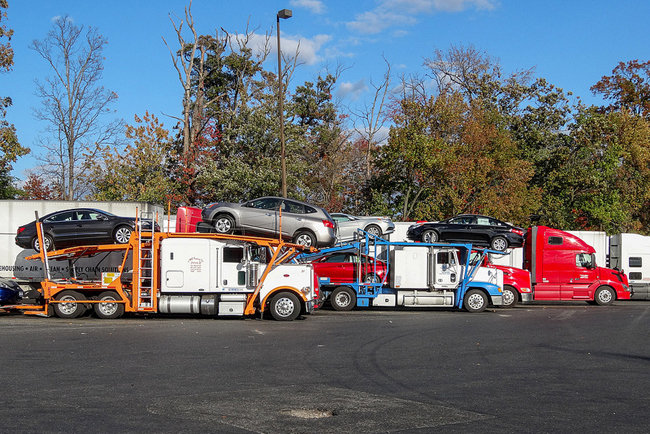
(475, 301)
(284, 307)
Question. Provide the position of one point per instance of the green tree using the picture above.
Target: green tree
(601, 179)
(10, 148)
(446, 156)
(138, 171)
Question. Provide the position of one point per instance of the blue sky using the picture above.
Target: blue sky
(570, 43)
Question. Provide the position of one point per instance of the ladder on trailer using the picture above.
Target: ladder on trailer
(144, 280)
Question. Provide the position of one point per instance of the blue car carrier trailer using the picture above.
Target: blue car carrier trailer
(417, 275)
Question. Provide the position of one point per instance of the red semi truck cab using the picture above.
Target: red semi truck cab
(563, 267)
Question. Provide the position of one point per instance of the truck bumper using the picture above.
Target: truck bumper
(527, 297)
(497, 300)
(309, 306)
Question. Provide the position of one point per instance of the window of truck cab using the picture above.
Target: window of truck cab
(585, 260)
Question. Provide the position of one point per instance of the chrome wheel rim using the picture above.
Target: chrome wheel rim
(374, 230)
(123, 235)
(223, 225)
(342, 299)
(304, 240)
(499, 244)
(108, 308)
(284, 307)
(475, 301)
(508, 297)
(605, 296)
(430, 237)
(70, 306)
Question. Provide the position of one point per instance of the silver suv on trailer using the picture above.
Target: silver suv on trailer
(302, 223)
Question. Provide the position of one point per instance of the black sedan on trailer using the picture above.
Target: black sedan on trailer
(477, 229)
(78, 227)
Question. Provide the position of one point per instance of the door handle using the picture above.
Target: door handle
(268, 214)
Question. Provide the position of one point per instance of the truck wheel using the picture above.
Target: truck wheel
(429, 236)
(285, 306)
(510, 296)
(122, 235)
(343, 298)
(49, 243)
(475, 301)
(109, 310)
(499, 243)
(224, 224)
(73, 306)
(604, 296)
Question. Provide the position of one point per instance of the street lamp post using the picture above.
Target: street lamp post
(284, 14)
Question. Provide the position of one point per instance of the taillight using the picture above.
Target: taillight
(20, 229)
(328, 224)
(517, 231)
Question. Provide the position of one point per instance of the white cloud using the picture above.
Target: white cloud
(314, 6)
(352, 90)
(309, 48)
(391, 13)
(58, 17)
(377, 20)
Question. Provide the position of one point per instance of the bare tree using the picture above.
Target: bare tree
(73, 101)
(371, 116)
(190, 63)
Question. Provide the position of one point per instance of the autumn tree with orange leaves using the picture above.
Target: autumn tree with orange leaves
(627, 88)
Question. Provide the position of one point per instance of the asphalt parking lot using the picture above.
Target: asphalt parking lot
(542, 368)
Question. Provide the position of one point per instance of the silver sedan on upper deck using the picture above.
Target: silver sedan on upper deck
(348, 224)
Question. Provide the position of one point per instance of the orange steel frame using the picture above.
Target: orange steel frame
(281, 252)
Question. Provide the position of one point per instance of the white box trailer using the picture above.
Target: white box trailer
(630, 253)
(19, 212)
(599, 241)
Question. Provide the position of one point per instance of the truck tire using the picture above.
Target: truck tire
(429, 236)
(73, 306)
(604, 296)
(499, 243)
(224, 224)
(475, 301)
(343, 298)
(510, 296)
(285, 306)
(109, 310)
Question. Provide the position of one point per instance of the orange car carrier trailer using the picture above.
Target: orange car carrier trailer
(187, 273)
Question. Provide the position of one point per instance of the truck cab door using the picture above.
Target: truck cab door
(233, 272)
(446, 270)
(585, 274)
